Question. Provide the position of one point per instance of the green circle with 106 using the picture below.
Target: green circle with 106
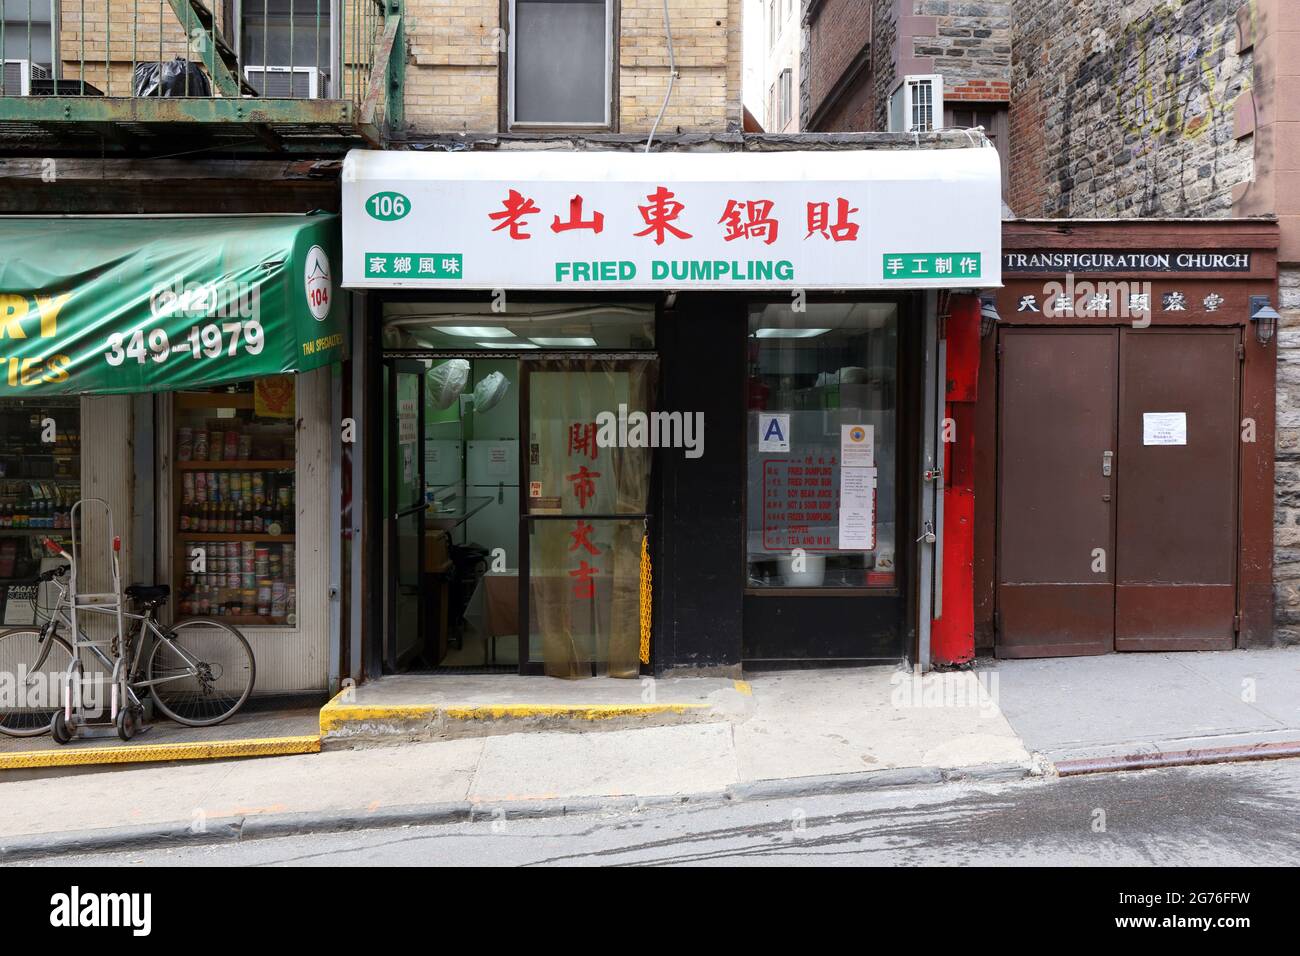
(388, 206)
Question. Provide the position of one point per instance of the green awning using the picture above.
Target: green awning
(104, 305)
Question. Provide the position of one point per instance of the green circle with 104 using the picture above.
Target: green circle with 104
(388, 206)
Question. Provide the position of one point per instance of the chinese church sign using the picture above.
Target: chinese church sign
(860, 219)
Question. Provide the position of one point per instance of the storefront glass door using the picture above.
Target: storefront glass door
(589, 450)
(404, 512)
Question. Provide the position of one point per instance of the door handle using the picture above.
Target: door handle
(927, 533)
(1106, 458)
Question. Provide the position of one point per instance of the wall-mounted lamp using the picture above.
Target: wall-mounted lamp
(989, 317)
(1265, 318)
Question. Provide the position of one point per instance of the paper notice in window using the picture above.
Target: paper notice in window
(856, 487)
(1164, 428)
(857, 446)
(857, 529)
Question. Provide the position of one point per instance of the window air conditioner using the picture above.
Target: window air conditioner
(916, 105)
(285, 82)
(19, 74)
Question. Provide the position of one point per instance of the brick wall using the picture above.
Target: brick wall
(707, 40)
(966, 41)
(837, 33)
(452, 51)
(1125, 108)
(454, 47)
(101, 40)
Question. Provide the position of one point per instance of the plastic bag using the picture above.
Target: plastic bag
(490, 390)
(446, 381)
(178, 77)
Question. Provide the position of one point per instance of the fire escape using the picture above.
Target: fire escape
(161, 77)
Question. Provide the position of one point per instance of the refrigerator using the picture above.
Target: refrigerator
(492, 471)
(443, 468)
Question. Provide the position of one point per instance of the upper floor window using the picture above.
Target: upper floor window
(785, 99)
(28, 45)
(561, 62)
(285, 46)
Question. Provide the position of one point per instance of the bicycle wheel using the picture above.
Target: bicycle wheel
(28, 704)
(205, 672)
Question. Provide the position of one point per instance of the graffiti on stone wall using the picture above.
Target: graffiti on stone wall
(1148, 111)
(1178, 70)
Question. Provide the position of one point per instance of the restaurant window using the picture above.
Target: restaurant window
(822, 445)
(527, 327)
(40, 480)
(236, 502)
(561, 62)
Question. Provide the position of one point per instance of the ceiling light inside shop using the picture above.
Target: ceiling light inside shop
(476, 331)
(789, 333)
(509, 346)
(573, 341)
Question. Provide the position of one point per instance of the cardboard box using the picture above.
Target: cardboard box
(437, 552)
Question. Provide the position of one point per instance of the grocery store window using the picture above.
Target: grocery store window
(822, 445)
(40, 480)
(561, 58)
(235, 505)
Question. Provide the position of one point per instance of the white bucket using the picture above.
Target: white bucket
(812, 575)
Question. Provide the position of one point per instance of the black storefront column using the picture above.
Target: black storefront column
(699, 572)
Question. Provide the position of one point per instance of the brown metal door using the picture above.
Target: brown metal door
(1055, 518)
(1176, 523)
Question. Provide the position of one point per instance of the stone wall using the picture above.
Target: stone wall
(1286, 534)
(1126, 108)
(970, 44)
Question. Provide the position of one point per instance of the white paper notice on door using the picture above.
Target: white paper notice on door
(498, 461)
(856, 487)
(857, 446)
(857, 529)
(1164, 428)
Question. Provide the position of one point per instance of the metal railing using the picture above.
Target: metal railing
(283, 49)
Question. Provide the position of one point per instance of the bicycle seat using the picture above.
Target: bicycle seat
(149, 593)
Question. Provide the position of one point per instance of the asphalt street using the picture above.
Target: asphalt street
(1231, 814)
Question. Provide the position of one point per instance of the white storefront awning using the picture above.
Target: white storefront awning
(588, 221)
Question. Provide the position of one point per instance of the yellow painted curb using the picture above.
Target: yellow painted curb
(72, 756)
(336, 714)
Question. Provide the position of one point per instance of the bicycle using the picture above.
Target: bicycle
(199, 672)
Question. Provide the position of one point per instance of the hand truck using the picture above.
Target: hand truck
(126, 716)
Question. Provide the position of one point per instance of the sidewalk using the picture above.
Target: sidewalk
(251, 733)
(1104, 708)
(804, 725)
(442, 748)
